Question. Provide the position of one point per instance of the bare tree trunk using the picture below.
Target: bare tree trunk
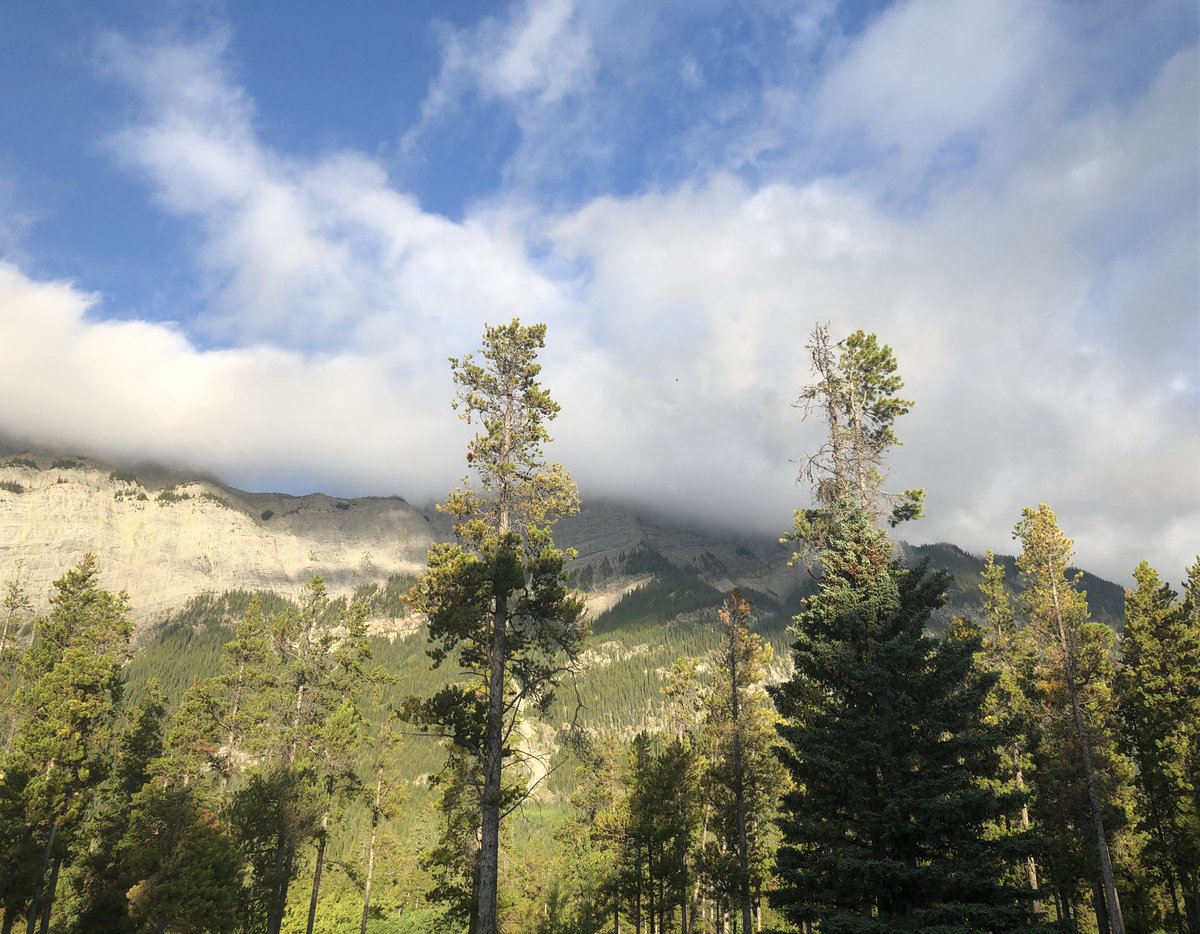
(1191, 900)
(1102, 922)
(489, 843)
(283, 869)
(316, 886)
(35, 909)
(51, 889)
(371, 848)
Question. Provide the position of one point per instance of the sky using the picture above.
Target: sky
(246, 238)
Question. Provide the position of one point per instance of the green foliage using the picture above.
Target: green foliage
(855, 394)
(1082, 781)
(23, 462)
(670, 593)
(209, 497)
(497, 600)
(11, 486)
(120, 476)
(167, 497)
(1158, 692)
(66, 707)
(888, 825)
(71, 463)
(389, 599)
(267, 514)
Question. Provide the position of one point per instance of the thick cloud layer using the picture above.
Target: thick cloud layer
(1028, 249)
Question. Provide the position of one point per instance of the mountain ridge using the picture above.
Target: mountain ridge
(167, 536)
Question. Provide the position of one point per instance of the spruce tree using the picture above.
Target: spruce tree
(887, 826)
(496, 600)
(1158, 690)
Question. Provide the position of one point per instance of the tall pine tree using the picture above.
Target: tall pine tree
(497, 599)
(1075, 651)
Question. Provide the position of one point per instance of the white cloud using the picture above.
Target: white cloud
(929, 71)
(1042, 308)
(533, 59)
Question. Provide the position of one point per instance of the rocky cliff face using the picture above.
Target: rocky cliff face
(165, 538)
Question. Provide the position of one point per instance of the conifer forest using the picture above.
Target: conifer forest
(857, 762)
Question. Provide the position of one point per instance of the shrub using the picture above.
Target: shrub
(266, 515)
(121, 476)
(24, 462)
(69, 463)
(166, 497)
(11, 486)
(214, 498)
(342, 506)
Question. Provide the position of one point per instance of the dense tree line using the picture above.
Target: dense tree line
(1029, 769)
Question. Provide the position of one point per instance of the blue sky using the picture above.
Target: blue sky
(245, 237)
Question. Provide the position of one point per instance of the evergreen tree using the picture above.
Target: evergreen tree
(386, 796)
(496, 599)
(887, 826)
(589, 844)
(658, 858)
(1075, 650)
(1158, 690)
(855, 394)
(743, 777)
(71, 687)
(102, 877)
(1007, 653)
(187, 869)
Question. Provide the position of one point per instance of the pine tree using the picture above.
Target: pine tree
(743, 777)
(658, 858)
(1075, 650)
(71, 688)
(855, 394)
(1007, 654)
(386, 794)
(496, 599)
(102, 877)
(887, 825)
(1158, 690)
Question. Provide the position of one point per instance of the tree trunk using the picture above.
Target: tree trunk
(493, 761)
(1191, 900)
(283, 869)
(371, 849)
(35, 909)
(53, 887)
(1102, 922)
(1113, 903)
(316, 886)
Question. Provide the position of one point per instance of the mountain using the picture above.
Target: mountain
(168, 537)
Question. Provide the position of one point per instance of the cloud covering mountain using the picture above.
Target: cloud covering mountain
(1007, 193)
